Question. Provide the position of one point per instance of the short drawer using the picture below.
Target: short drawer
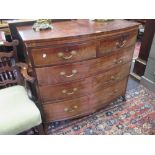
(83, 105)
(81, 70)
(117, 42)
(83, 87)
(60, 55)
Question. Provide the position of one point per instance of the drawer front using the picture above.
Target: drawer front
(83, 105)
(85, 86)
(112, 76)
(80, 70)
(61, 55)
(116, 43)
(101, 98)
(67, 109)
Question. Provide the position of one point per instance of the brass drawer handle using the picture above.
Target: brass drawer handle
(66, 109)
(71, 110)
(121, 44)
(118, 61)
(114, 78)
(75, 107)
(69, 93)
(72, 53)
(116, 90)
(74, 71)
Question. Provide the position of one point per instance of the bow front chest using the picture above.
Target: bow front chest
(80, 66)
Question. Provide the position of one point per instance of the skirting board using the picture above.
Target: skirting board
(148, 83)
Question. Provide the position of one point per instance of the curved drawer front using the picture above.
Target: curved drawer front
(83, 105)
(101, 98)
(80, 70)
(85, 86)
(65, 91)
(116, 43)
(66, 109)
(61, 55)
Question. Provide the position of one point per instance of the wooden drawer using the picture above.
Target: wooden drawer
(86, 86)
(61, 55)
(83, 105)
(81, 70)
(116, 43)
(112, 76)
(66, 109)
(101, 98)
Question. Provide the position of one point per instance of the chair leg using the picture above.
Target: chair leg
(41, 129)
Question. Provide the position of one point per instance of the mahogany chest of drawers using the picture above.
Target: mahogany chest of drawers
(80, 66)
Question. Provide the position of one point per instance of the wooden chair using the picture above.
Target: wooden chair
(17, 112)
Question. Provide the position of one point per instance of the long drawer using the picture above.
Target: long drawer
(83, 105)
(86, 86)
(65, 54)
(81, 70)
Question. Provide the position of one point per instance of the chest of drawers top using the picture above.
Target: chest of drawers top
(73, 31)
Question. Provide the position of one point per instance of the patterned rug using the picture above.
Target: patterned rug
(136, 116)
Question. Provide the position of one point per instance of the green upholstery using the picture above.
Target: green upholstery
(17, 112)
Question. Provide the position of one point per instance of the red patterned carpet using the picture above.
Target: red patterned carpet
(136, 116)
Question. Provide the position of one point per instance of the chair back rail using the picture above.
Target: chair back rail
(9, 73)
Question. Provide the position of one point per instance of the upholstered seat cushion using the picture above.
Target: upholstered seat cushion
(17, 112)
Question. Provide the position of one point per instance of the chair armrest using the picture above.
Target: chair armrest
(23, 69)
